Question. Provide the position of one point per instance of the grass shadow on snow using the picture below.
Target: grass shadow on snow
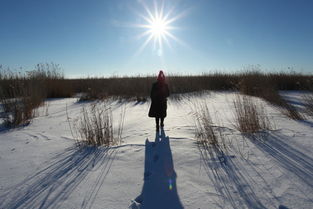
(159, 188)
(228, 180)
(290, 158)
(51, 186)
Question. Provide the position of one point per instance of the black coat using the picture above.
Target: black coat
(158, 95)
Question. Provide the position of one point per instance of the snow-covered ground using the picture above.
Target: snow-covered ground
(41, 168)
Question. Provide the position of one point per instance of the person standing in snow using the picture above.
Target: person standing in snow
(158, 95)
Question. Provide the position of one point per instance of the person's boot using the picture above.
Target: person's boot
(157, 127)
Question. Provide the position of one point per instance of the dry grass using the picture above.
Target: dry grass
(19, 104)
(122, 87)
(21, 93)
(47, 81)
(265, 86)
(17, 112)
(210, 141)
(46, 78)
(204, 127)
(252, 82)
(206, 133)
(250, 116)
(95, 126)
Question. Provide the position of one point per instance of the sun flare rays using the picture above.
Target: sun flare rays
(157, 27)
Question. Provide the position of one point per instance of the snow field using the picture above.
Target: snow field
(41, 168)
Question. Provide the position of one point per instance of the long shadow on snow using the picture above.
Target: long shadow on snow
(228, 180)
(49, 187)
(159, 188)
(288, 157)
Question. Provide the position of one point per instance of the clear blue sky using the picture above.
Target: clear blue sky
(100, 37)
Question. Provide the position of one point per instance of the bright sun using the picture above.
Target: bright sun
(158, 27)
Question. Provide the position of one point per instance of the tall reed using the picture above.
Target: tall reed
(250, 117)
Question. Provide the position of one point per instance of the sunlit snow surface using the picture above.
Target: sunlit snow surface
(41, 168)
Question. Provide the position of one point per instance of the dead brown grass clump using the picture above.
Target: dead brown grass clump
(206, 133)
(250, 117)
(95, 126)
(262, 85)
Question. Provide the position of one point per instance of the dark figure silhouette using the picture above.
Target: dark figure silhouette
(158, 95)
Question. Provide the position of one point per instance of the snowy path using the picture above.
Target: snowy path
(40, 167)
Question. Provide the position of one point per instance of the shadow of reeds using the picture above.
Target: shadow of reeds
(159, 188)
(232, 185)
(51, 186)
(290, 158)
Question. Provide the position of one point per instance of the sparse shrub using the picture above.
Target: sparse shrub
(95, 126)
(206, 134)
(210, 141)
(250, 116)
